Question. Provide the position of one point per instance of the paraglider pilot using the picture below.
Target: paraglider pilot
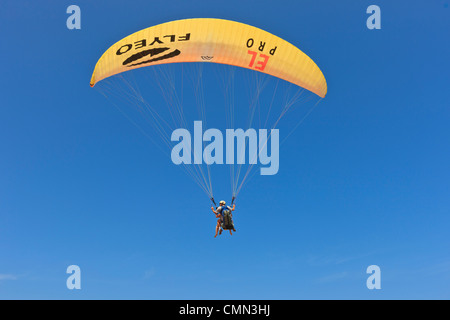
(225, 218)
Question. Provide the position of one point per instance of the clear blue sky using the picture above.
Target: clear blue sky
(364, 180)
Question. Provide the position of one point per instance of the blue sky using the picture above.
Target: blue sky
(364, 180)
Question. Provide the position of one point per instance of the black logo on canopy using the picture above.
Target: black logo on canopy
(157, 53)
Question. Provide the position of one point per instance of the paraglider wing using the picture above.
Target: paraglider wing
(212, 40)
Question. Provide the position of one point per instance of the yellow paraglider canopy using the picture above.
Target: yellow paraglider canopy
(212, 40)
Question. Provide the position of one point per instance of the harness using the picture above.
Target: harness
(226, 220)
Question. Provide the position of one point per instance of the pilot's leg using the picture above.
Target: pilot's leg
(217, 229)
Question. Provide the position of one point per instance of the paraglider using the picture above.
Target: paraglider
(212, 40)
(217, 41)
(225, 217)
